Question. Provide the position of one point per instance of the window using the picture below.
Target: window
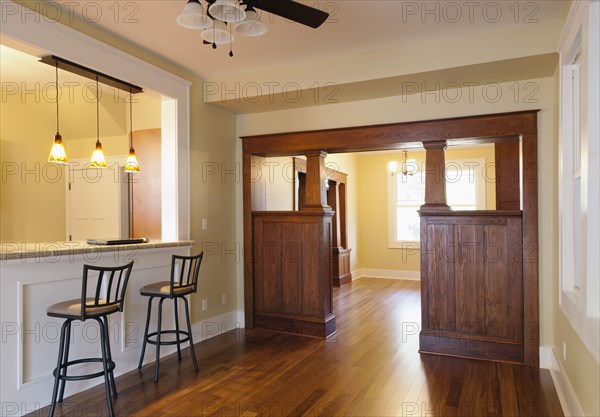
(465, 190)
(579, 182)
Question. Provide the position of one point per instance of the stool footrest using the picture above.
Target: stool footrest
(168, 342)
(111, 366)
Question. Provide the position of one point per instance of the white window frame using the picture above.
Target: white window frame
(579, 144)
(478, 165)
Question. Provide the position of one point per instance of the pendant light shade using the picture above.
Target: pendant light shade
(218, 35)
(57, 153)
(193, 16)
(251, 26)
(98, 159)
(132, 164)
(230, 11)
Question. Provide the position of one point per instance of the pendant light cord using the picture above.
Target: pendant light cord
(130, 120)
(56, 68)
(97, 111)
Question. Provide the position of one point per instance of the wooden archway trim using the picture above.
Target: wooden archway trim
(393, 136)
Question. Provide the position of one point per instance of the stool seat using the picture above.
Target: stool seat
(72, 308)
(163, 289)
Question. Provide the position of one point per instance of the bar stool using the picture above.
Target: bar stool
(185, 269)
(108, 285)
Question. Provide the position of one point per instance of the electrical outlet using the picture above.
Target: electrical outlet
(204, 304)
(204, 224)
(564, 351)
(223, 298)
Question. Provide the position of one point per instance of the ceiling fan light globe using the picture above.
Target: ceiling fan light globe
(251, 29)
(230, 11)
(193, 16)
(218, 35)
(251, 26)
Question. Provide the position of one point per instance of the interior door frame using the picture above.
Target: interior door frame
(461, 130)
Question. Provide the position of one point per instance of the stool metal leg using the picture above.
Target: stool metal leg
(175, 302)
(145, 333)
(109, 357)
(103, 342)
(158, 330)
(187, 317)
(58, 364)
(65, 362)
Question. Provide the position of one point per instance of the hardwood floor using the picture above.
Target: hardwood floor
(371, 367)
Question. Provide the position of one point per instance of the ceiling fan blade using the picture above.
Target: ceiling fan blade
(292, 10)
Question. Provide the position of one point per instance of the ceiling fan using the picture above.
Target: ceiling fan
(221, 16)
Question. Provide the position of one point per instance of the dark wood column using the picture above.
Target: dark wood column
(342, 208)
(435, 177)
(316, 192)
(508, 187)
(332, 201)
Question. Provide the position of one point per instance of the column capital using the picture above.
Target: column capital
(441, 144)
(316, 152)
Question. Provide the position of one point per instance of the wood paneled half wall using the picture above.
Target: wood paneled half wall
(485, 309)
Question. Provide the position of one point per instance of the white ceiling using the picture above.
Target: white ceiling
(354, 27)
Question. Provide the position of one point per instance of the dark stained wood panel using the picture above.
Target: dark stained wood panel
(472, 285)
(146, 197)
(292, 272)
(392, 136)
(508, 181)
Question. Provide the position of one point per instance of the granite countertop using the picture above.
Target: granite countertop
(24, 250)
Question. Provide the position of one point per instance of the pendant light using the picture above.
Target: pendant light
(132, 164)
(57, 153)
(98, 160)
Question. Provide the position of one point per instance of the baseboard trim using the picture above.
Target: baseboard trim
(215, 326)
(564, 390)
(386, 273)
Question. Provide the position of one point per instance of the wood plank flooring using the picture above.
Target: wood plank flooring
(371, 367)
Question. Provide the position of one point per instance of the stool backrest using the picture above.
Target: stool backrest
(184, 272)
(107, 285)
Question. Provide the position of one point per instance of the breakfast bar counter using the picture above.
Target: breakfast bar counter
(34, 276)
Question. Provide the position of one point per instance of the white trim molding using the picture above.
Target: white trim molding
(564, 390)
(386, 274)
